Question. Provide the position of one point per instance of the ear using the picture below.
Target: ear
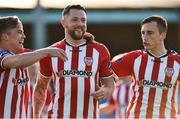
(4, 36)
(62, 22)
(163, 35)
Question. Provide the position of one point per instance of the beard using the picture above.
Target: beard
(76, 35)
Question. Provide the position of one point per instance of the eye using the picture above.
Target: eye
(142, 32)
(149, 32)
(75, 19)
(20, 32)
(83, 20)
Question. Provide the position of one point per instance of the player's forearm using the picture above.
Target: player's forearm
(108, 85)
(24, 59)
(38, 104)
(39, 96)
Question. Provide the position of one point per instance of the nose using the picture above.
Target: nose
(80, 23)
(24, 36)
(144, 37)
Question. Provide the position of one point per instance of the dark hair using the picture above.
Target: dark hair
(161, 22)
(69, 7)
(8, 22)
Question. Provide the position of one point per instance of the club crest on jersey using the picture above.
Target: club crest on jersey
(88, 61)
(169, 71)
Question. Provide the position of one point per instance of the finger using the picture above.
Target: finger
(97, 94)
(63, 55)
(88, 36)
(97, 87)
(99, 97)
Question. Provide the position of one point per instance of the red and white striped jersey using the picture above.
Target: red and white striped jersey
(120, 98)
(154, 84)
(13, 90)
(30, 107)
(75, 79)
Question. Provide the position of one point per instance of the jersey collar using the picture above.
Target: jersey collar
(82, 44)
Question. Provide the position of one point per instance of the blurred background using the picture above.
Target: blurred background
(116, 23)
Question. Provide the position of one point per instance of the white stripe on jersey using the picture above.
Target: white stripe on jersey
(136, 68)
(1, 78)
(158, 95)
(9, 93)
(55, 106)
(170, 94)
(146, 90)
(80, 92)
(95, 57)
(175, 76)
(177, 87)
(19, 88)
(122, 100)
(67, 94)
(29, 108)
(54, 63)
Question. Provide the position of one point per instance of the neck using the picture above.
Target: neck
(73, 41)
(158, 52)
(7, 47)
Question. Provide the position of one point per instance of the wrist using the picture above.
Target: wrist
(36, 115)
(43, 52)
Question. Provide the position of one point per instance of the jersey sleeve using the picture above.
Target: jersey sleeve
(3, 53)
(111, 100)
(46, 67)
(122, 65)
(105, 67)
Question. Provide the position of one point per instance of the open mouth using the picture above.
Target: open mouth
(78, 29)
(21, 42)
(145, 44)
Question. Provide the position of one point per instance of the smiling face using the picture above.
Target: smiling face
(75, 23)
(15, 38)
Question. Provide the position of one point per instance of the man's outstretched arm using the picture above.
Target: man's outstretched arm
(29, 58)
(39, 95)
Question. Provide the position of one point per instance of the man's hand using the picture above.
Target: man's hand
(88, 36)
(56, 52)
(100, 93)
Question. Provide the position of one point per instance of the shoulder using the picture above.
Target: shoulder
(59, 44)
(131, 55)
(137, 52)
(4, 53)
(98, 46)
(174, 55)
